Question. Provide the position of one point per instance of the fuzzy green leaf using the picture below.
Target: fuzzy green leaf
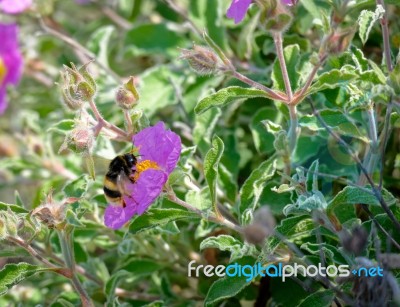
(158, 217)
(332, 79)
(227, 95)
(353, 195)
(227, 286)
(76, 188)
(227, 243)
(12, 274)
(211, 163)
(366, 21)
(292, 59)
(252, 188)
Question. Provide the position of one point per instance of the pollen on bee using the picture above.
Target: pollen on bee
(141, 166)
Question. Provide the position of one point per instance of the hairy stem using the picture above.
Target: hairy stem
(293, 128)
(128, 122)
(273, 94)
(377, 192)
(30, 250)
(75, 45)
(282, 63)
(211, 216)
(385, 34)
(102, 123)
(66, 242)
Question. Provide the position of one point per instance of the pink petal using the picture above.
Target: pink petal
(159, 145)
(238, 10)
(14, 6)
(11, 58)
(144, 192)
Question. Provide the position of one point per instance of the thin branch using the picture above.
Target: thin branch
(117, 19)
(299, 97)
(281, 58)
(75, 45)
(31, 251)
(377, 193)
(385, 33)
(101, 122)
(274, 95)
(211, 216)
(384, 137)
(182, 12)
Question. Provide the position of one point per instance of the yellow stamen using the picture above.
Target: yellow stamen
(3, 70)
(141, 166)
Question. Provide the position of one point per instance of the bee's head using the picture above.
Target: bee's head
(130, 159)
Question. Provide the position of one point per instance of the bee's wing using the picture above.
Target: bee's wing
(122, 183)
(96, 165)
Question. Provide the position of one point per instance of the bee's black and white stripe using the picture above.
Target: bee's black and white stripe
(119, 166)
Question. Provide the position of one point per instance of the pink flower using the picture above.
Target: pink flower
(238, 10)
(289, 2)
(11, 62)
(159, 151)
(14, 6)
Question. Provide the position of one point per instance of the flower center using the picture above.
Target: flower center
(3, 70)
(141, 166)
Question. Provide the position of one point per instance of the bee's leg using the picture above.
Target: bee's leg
(123, 203)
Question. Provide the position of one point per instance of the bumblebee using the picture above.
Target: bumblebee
(120, 172)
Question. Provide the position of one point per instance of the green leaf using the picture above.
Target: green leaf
(306, 204)
(158, 217)
(263, 125)
(76, 188)
(111, 285)
(322, 298)
(332, 79)
(296, 227)
(354, 195)
(204, 128)
(227, 95)
(227, 182)
(292, 59)
(12, 274)
(246, 38)
(227, 286)
(200, 199)
(13, 208)
(230, 244)
(329, 251)
(252, 188)
(312, 177)
(211, 162)
(336, 120)
(157, 91)
(99, 43)
(207, 14)
(140, 267)
(366, 21)
(153, 38)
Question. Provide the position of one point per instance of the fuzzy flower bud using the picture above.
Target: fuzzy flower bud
(78, 86)
(201, 59)
(276, 16)
(127, 95)
(8, 224)
(262, 226)
(52, 213)
(80, 139)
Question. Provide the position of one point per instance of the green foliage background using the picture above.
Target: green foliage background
(147, 261)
